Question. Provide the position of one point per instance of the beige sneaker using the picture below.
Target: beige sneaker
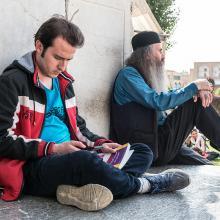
(91, 197)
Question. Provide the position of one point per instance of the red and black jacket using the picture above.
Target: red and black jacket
(22, 112)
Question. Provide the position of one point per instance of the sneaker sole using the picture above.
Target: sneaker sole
(91, 197)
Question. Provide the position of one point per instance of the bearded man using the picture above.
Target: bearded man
(140, 102)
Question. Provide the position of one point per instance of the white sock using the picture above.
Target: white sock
(145, 186)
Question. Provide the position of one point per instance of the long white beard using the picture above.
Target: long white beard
(157, 77)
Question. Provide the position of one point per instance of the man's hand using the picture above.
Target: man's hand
(203, 84)
(206, 98)
(110, 147)
(67, 147)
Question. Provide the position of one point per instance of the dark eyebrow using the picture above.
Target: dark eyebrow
(61, 58)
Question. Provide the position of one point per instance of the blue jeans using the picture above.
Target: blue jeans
(43, 176)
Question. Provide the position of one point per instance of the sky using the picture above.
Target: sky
(197, 35)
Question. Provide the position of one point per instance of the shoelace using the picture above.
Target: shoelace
(160, 183)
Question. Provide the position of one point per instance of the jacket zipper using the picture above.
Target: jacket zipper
(63, 99)
(45, 101)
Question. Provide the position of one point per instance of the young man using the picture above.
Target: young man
(140, 99)
(44, 143)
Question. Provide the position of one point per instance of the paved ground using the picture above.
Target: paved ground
(199, 201)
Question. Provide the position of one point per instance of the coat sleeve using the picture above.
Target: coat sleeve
(130, 86)
(13, 145)
(86, 136)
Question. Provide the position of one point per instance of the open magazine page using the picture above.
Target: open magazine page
(119, 158)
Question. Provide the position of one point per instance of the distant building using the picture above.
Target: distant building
(201, 70)
(207, 69)
(177, 79)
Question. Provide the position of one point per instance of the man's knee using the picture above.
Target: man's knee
(143, 149)
(82, 157)
(80, 154)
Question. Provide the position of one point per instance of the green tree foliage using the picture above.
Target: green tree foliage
(217, 91)
(167, 15)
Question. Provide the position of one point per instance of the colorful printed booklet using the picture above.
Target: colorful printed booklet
(120, 158)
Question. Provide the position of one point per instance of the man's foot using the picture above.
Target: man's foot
(167, 181)
(91, 197)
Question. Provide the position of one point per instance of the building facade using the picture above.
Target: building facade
(201, 70)
(207, 70)
(177, 80)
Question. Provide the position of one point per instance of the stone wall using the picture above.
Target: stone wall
(107, 29)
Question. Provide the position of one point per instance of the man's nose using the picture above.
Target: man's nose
(62, 65)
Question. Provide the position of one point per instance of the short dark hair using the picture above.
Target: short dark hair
(212, 81)
(59, 26)
(195, 130)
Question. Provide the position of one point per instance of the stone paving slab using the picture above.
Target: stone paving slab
(199, 201)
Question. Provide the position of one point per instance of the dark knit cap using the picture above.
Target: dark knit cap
(145, 38)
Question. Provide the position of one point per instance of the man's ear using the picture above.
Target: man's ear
(39, 47)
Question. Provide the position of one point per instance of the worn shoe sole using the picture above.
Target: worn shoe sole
(182, 179)
(91, 197)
